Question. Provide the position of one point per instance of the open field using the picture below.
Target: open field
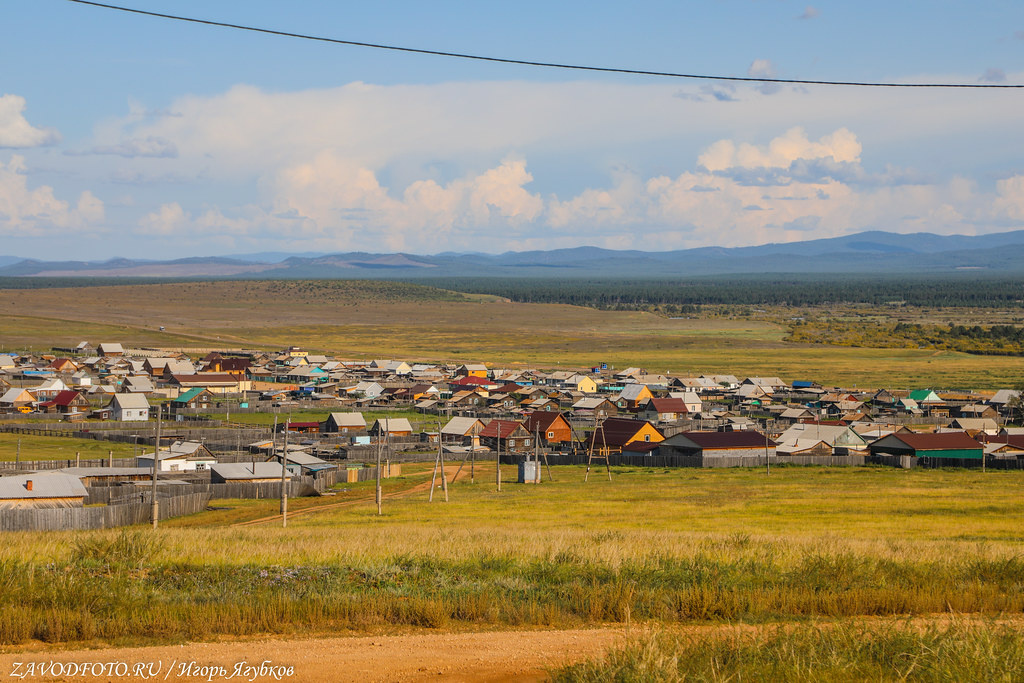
(63, 448)
(362, 320)
(668, 547)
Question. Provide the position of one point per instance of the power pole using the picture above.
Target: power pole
(380, 445)
(284, 472)
(156, 467)
(497, 468)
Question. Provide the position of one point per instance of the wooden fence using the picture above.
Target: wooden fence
(105, 517)
(696, 460)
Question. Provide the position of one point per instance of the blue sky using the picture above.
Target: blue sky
(125, 135)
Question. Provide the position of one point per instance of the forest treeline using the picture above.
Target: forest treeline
(681, 296)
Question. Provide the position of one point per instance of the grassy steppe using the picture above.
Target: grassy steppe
(375, 320)
(670, 547)
(64, 448)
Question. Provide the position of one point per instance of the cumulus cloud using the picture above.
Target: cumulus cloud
(340, 198)
(840, 146)
(15, 131)
(26, 211)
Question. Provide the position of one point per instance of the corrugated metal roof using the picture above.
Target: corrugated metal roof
(43, 486)
(939, 441)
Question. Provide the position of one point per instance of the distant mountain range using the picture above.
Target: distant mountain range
(873, 252)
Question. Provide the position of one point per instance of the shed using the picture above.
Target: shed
(944, 449)
(38, 490)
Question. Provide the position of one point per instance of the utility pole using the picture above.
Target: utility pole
(497, 462)
(155, 514)
(284, 472)
(767, 458)
(380, 444)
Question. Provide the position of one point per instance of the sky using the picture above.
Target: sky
(131, 136)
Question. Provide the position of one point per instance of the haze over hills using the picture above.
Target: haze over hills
(864, 253)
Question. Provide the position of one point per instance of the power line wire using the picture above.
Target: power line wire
(550, 65)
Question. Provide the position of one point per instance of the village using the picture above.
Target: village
(211, 447)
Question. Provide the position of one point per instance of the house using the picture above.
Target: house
(300, 463)
(632, 395)
(471, 370)
(129, 407)
(247, 472)
(461, 430)
(975, 425)
(944, 449)
(391, 426)
(596, 406)
(217, 383)
(343, 423)
(719, 444)
(840, 439)
(506, 436)
(978, 410)
(663, 409)
(138, 384)
(108, 350)
(615, 433)
(198, 398)
(180, 456)
(66, 403)
(16, 398)
(39, 490)
(551, 429)
(49, 389)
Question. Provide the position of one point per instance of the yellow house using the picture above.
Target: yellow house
(472, 370)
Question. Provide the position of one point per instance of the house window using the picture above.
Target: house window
(647, 437)
(512, 443)
(551, 435)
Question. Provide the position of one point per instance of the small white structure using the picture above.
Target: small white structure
(129, 407)
(180, 456)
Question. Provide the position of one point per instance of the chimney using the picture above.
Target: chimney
(28, 485)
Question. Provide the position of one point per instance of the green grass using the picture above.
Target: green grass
(661, 546)
(829, 653)
(61, 448)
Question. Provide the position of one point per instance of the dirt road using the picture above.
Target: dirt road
(492, 656)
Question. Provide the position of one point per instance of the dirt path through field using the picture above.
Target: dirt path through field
(490, 656)
(451, 471)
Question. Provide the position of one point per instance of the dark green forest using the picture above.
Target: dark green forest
(684, 296)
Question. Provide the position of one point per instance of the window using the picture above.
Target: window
(551, 435)
(647, 437)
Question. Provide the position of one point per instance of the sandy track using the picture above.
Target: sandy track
(489, 656)
(451, 471)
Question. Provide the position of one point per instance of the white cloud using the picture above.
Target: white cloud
(36, 211)
(810, 13)
(840, 146)
(763, 68)
(15, 131)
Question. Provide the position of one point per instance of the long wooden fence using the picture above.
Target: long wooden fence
(103, 517)
(697, 460)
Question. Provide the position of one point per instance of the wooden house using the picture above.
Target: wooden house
(392, 426)
(66, 403)
(247, 472)
(343, 423)
(551, 429)
(198, 398)
(615, 433)
(943, 449)
(719, 444)
(506, 436)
